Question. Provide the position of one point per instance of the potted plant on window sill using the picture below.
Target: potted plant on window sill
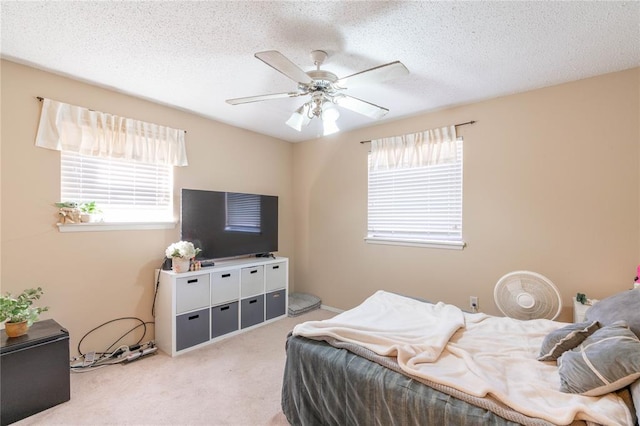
(18, 311)
(90, 212)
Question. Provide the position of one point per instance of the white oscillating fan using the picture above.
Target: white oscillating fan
(527, 295)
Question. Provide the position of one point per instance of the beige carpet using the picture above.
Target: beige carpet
(236, 381)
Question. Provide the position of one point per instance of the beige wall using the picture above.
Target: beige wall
(93, 277)
(551, 184)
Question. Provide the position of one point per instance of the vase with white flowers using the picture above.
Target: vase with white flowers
(181, 254)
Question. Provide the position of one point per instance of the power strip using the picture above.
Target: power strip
(89, 359)
(140, 353)
(124, 354)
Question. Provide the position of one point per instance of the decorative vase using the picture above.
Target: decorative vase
(16, 329)
(180, 264)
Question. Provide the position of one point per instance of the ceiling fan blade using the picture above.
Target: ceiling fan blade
(361, 107)
(279, 62)
(373, 75)
(258, 98)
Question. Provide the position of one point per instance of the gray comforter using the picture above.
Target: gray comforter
(325, 385)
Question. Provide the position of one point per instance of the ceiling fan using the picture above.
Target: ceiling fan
(324, 89)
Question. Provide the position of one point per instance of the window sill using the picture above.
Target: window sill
(113, 226)
(448, 245)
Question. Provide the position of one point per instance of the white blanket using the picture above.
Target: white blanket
(477, 354)
(392, 325)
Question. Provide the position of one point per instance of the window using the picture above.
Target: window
(417, 205)
(125, 191)
(123, 165)
(243, 212)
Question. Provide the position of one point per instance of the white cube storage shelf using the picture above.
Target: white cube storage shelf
(197, 308)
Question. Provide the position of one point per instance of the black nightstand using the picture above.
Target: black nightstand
(34, 371)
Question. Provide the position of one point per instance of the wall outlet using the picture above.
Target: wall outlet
(473, 303)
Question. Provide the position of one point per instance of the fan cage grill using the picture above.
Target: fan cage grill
(512, 294)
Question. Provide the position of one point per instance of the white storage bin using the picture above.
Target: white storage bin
(225, 287)
(192, 293)
(252, 281)
(276, 276)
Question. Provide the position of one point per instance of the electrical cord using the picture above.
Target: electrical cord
(123, 353)
(142, 324)
(155, 293)
(106, 355)
(89, 362)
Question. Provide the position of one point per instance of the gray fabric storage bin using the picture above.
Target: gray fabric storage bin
(276, 302)
(192, 329)
(252, 311)
(224, 319)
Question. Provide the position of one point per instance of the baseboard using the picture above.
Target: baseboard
(332, 309)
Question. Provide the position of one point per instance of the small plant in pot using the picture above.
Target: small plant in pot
(90, 212)
(18, 311)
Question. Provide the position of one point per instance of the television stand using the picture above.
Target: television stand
(207, 262)
(196, 308)
(265, 255)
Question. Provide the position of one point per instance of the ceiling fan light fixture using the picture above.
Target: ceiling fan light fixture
(299, 118)
(296, 120)
(329, 112)
(329, 127)
(306, 118)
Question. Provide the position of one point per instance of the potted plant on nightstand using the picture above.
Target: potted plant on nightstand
(18, 311)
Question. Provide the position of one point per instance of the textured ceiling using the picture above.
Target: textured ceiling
(194, 55)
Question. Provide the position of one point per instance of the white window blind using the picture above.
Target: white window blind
(419, 205)
(125, 191)
(243, 212)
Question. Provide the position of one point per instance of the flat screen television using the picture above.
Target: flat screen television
(229, 224)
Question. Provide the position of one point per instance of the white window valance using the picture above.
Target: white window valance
(65, 127)
(435, 146)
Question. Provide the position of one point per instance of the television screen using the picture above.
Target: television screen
(228, 224)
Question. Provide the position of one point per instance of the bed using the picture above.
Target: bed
(397, 361)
